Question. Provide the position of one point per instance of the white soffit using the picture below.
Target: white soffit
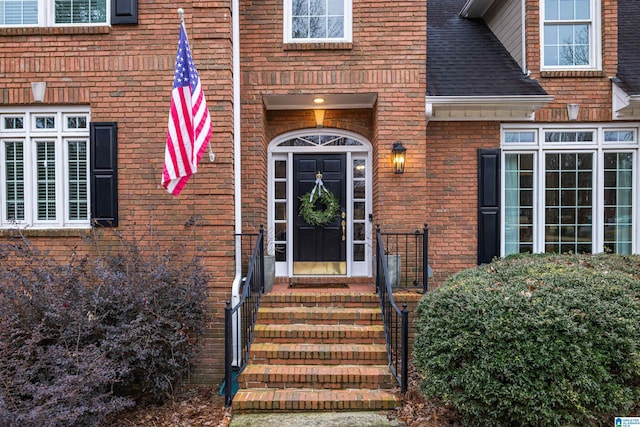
(491, 108)
(625, 107)
(475, 8)
(332, 101)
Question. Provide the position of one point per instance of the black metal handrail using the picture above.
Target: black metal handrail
(395, 320)
(239, 320)
(408, 258)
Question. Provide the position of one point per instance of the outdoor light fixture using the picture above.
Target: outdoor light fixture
(399, 154)
(38, 90)
(318, 100)
(319, 115)
(573, 110)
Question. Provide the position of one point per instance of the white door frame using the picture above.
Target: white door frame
(359, 148)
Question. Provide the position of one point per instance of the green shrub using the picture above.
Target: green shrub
(537, 340)
(82, 340)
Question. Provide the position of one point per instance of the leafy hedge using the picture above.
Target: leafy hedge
(538, 340)
(82, 340)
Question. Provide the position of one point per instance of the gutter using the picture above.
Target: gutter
(237, 169)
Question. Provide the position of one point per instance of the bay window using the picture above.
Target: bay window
(569, 190)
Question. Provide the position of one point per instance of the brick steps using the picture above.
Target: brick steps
(317, 351)
(317, 376)
(328, 354)
(319, 315)
(325, 334)
(301, 399)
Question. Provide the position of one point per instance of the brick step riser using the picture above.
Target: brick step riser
(380, 381)
(315, 304)
(365, 319)
(307, 400)
(311, 359)
(320, 337)
(319, 301)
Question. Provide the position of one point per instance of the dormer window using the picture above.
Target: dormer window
(570, 34)
(308, 21)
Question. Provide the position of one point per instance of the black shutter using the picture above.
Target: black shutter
(124, 12)
(104, 173)
(488, 204)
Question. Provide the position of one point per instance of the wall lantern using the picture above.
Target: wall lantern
(399, 154)
(572, 110)
(37, 90)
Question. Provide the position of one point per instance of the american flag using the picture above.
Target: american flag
(189, 122)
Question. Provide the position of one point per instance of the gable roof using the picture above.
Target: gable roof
(628, 76)
(470, 74)
(464, 58)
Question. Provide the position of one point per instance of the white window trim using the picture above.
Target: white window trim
(364, 151)
(29, 136)
(287, 28)
(47, 17)
(598, 148)
(595, 41)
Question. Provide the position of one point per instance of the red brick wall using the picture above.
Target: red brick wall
(590, 89)
(452, 193)
(125, 73)
(387, 57)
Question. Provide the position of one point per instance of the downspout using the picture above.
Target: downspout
(237, 170)
(524, 38)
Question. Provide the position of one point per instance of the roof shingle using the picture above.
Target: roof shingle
(464, 58)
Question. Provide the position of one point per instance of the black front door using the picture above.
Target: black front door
(319, 250)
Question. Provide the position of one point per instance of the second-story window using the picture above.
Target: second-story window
(570, 34)
(317, 21)
(47, 13)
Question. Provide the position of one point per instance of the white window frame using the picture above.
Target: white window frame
(276, 152)
(61, 135)
(598, 148)
(288, 26)
(47, 17)
(595, 39)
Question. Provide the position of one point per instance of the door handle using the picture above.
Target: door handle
(344, 226)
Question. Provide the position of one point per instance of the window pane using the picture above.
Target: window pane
(359, 210)
(300, 7)
(335, 7)
(281, 252)
(14, 177)
(358, 231)
(618, 208)
(359, 168)
(14, 123)
(18, 12)
(281, 211)
(46, 180)
(583, 9)
(317, 27)
(48, 122)
(300, 28)
(81, 11)
(318, 19)
(281, 231)
(281, 169)
(77, 164)
(568, 198)
(281, 190)
(551, 9)
(358, 190)
(77, 122)
(358, 252)
(518, 203)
